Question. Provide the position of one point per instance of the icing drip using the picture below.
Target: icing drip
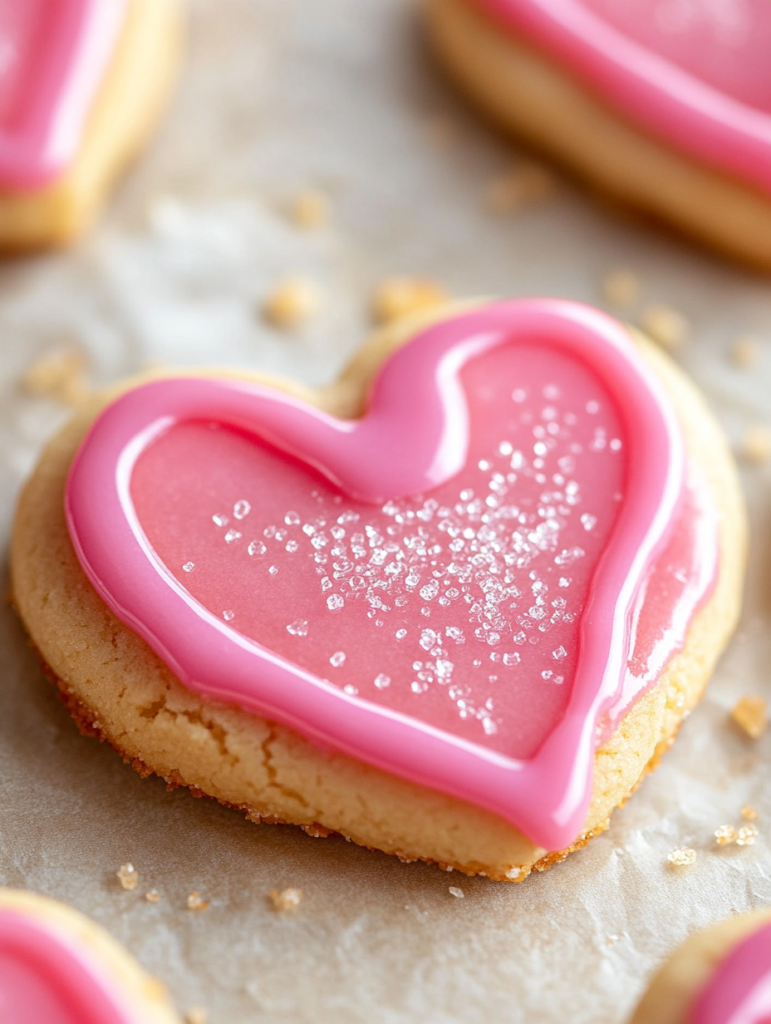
(694, 72)
(462, 613)
(739, 992)
(53, 57)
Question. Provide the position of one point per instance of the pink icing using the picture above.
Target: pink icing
(47, 976)
(449, 588)
(53, 56)
(739, 992)
(694, 72)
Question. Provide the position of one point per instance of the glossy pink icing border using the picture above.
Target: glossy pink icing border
(417, 424)
(688, 113)
(739, 992)
(83, 35)
(68, 965)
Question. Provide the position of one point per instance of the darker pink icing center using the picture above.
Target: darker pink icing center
(739, 992)
(469, 589)
(47, 978)
(695, 73)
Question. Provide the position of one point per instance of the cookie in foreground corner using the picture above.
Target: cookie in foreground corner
(668, 112)
(453, 606)
(721, 975)
(59, 967)
(84, 84)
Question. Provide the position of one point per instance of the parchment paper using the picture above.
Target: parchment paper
(341, 94)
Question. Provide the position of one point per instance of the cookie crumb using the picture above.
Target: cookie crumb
(749, 813)
(196, 1015)
(400, 296)
(128, 876)
(196, 902)
(442, 131)
(666, 326)
(745, 352)
(621, 288)
(750, 714)
(747, 835)
(527, 183)
(755, 446)
(682, 857)
(456, 892)
(286, 899)
(152, 896)
(725, 835)
(310, 209)
(291, 303)
(59, 375)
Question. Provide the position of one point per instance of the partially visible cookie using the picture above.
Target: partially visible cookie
(454, 606)
(674, 120)
(83, 84)
(58, 967)
(721, 975)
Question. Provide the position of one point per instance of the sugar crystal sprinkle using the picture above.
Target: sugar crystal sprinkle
(128, 876)
(682, 857)
(196, 1015)
(666, 326)
(747, 835)
(725, 835)
(749, 813)
(152, 896)
(291, 303)
(196, 902)
(286, 899)
(456, 892)
(621, 288)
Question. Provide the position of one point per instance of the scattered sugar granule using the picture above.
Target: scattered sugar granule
(745, 352)
(152, 896)
(746, 835)
(128, 876)
(291, 303)
(310, 209)
(527, 183)
(750, 714)
(196, 1015)
(749, 813)
(287, 899)
(401, 296)
(196, 902)
(665, 325)
(755, 446)
(621, 288)
(682, 857)
(60, 375)
(725, 835)
(456, 892)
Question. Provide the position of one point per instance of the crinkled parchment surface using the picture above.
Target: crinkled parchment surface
(278, 95)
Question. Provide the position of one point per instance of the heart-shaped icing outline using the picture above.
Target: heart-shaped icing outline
(690, 114)
(416, 422)
(82, 37)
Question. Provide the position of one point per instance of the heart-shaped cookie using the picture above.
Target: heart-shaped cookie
(58, 967)
(666, 103)
(444, 588)
(81, 85)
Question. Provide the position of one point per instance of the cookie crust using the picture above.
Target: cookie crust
(125, 113)
(118, 689)
(531, 96)
(675, 986)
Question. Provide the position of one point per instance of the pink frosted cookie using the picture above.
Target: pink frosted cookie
(721, 975)
(82, 83)
(57, 967)
(664, 104)
(452, 606)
